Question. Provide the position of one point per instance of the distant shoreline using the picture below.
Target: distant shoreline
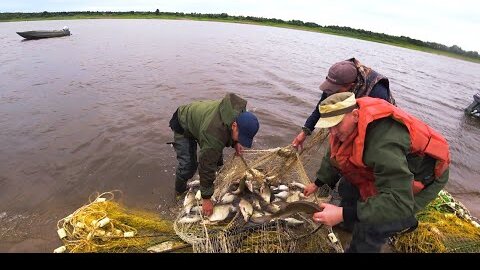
(404, 42)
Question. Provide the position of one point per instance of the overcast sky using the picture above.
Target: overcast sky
(446, 22)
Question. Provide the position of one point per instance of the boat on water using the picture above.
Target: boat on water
(474, 108)
(45, 33)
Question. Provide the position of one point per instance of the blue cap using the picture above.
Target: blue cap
(248, 126)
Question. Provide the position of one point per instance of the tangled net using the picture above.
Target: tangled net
(444, 226)
(103, 225)
(280, 170)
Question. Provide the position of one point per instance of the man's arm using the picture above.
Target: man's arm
(430, 192)
(211, 149)
(207, 166)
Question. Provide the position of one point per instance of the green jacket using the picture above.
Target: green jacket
(209, 123)
(387, 153)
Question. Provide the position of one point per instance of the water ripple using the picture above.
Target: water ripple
(90, 112)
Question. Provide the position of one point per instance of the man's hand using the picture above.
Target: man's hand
(298, 141)
(207, 207)
(238, 149)
(331, 214)
(310, 189)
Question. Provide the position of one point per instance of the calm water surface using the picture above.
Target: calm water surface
(90, 112)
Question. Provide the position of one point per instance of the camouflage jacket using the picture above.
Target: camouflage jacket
(367, 78)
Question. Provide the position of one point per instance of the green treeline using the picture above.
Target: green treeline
(297, 24)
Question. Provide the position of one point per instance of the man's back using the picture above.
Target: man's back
(209, 121)
(196, 116)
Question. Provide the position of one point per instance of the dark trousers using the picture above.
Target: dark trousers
(367, 237)
(186, 149)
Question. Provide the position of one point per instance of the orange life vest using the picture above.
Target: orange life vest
(347, 156)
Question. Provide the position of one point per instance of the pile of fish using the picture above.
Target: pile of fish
(252, 196)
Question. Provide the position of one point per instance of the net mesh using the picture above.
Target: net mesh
(281, 170)
(445, 225)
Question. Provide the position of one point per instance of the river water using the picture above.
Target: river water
(90, 112)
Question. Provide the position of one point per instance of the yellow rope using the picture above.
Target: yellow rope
(103, 226)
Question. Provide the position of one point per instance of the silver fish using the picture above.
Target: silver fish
(241, 187)
(198, 195)
(196, 209)
(189, 201)
(272, 208)
(270, 178)
(228, 198)
(189, 219)
(297, 185)
(282, 195)
(193, 184)
(246, 209)
(249, 185)
(257, 214)
(265, 193)
(256, 204)
(292, 208)
(221, 212)
(293, 221)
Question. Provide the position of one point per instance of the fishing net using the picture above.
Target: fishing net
(103, 225)
(444, 226)
(280, 170)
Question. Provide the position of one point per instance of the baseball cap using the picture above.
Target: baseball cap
(248, 127)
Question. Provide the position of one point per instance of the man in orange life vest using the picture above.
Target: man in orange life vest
(396, 163)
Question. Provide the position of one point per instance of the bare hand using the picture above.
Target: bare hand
(331, 214)
(207, 207)
(238, 149)
(310, 189)
(298, 141)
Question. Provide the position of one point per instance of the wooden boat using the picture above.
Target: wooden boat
(45, 34)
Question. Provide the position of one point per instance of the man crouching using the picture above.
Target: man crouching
(214, 125)
(393, 164)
